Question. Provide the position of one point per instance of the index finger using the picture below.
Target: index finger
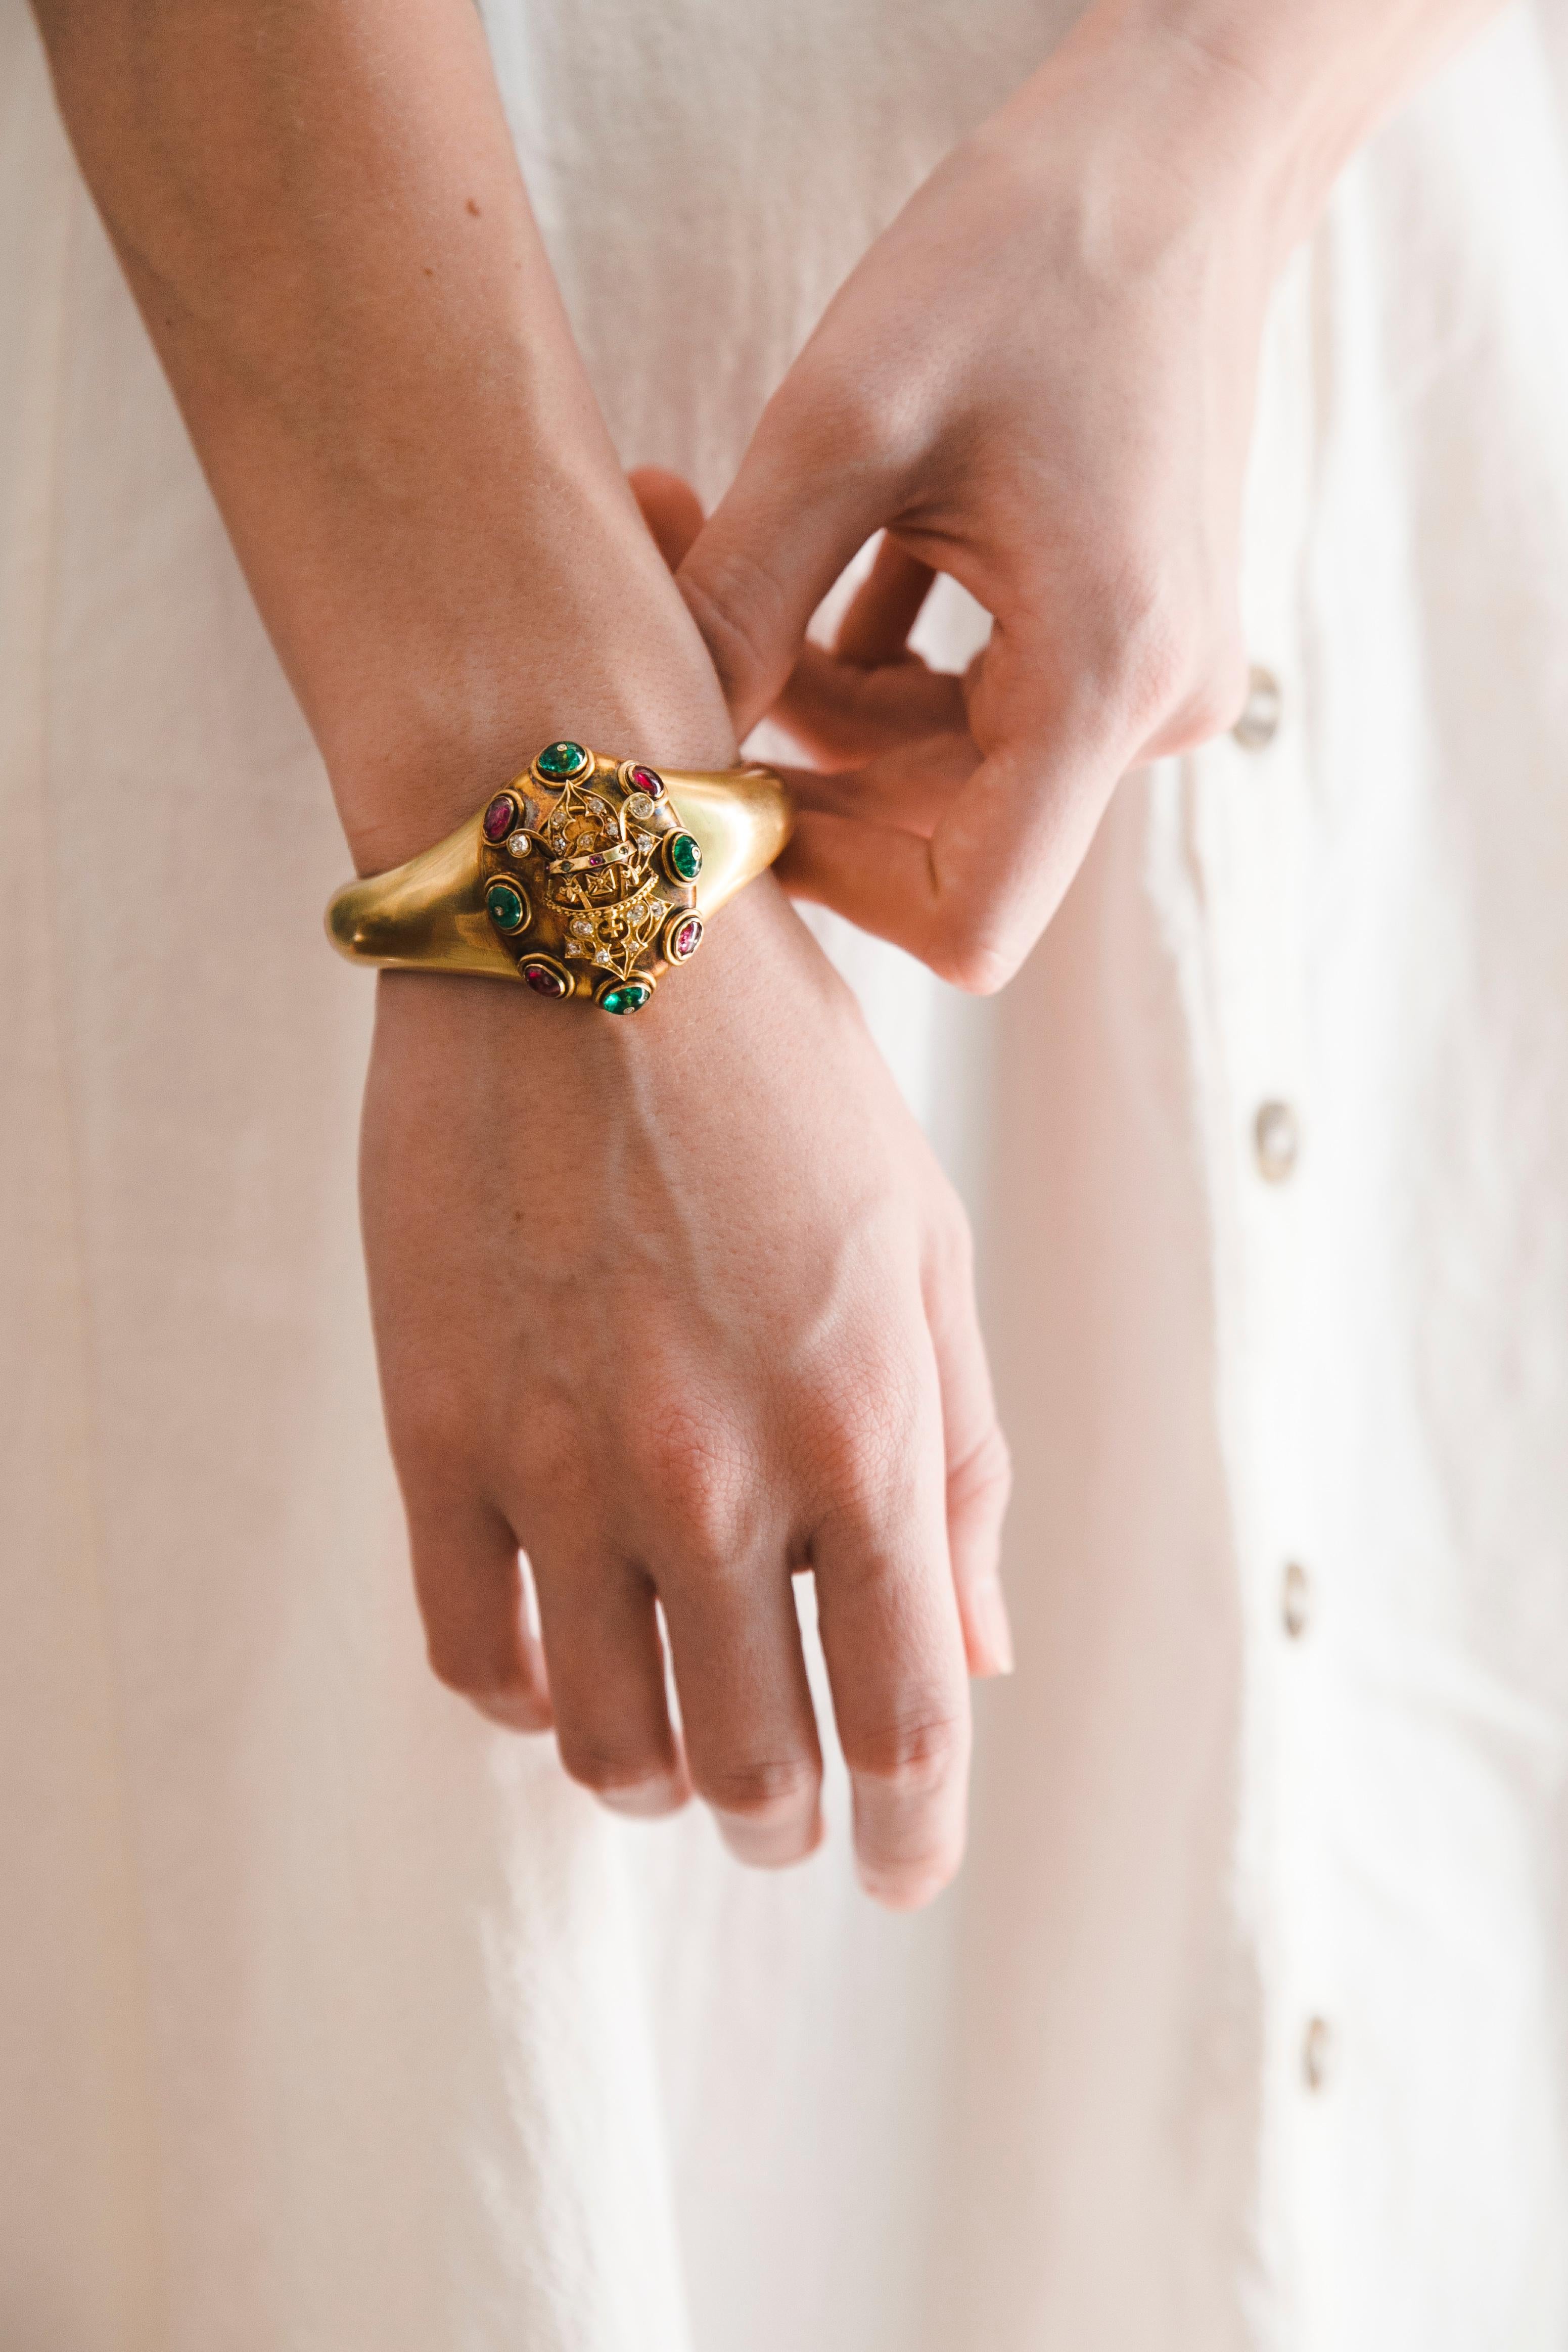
(971, 900)
(789, 523)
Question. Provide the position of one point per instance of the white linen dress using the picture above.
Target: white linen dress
(332, 2021)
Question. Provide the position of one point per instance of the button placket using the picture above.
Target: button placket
(1255, 833)
(1261, 909)
(1274, 1160)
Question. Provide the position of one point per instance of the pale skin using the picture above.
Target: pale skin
(681, 1306)
(1039, 380)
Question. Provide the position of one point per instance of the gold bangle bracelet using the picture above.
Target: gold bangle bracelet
(586, 876)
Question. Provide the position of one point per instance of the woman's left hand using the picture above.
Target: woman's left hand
(1040, 381)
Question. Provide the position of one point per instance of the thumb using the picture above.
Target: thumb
(670, 507)
(794, 517)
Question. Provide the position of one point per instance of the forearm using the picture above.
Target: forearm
(319, 209)
(1256, 100)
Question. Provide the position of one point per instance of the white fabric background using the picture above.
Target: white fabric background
(331, 2021)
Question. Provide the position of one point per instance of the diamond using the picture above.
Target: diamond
(639, 807)
(519, 845)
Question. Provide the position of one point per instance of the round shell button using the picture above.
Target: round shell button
(1276, 1140)
(1260, 713)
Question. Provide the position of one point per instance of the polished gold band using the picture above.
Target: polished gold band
(587, 876)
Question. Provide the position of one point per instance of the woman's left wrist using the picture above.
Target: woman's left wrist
(1234, 111)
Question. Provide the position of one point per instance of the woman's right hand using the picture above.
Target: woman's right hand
(680, 1305)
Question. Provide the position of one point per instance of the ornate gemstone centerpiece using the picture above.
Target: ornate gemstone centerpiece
(580, 877)
(611, 899)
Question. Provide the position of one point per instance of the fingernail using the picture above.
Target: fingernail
(910, 1888)
(644, 1801)
(517, 1711)
(993, 1632)
(769, 1845)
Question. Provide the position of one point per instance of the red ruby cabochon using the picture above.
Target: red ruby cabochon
(542, 980)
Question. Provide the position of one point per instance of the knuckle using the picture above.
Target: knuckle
(1141, 641)
(863, 1446)
(694, 1469)
(984, 1473)
(759, 1790)
(1181, 674)
(607, 1770)
(1158, 660)
(857, 1435)
(550, 1455)
(967, 951)
(474, 1672)
(829, 421)
(1210, 703)
(1213, 706)
(430, 1425)
(914, 1759)
(1216, 700)
(952, 1238)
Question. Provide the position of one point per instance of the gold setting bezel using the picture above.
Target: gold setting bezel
(547, 963)
(508, 882)
(520, 806)
(557, 784)
(626, 771)
(633, 979)
(666, 843)
(665, 940)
